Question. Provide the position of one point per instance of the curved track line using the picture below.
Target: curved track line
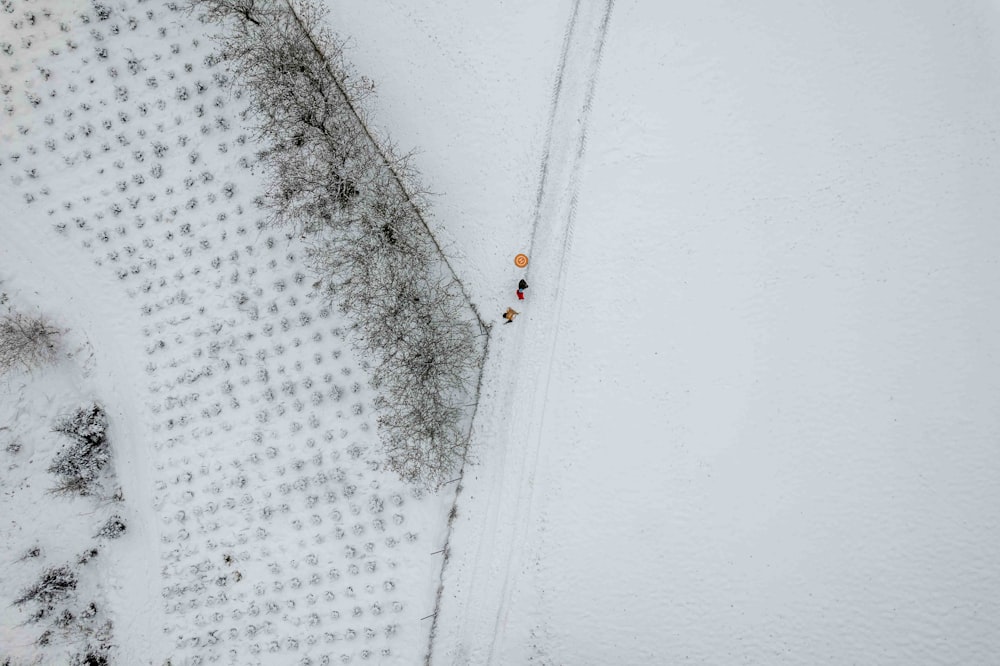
(553, 106)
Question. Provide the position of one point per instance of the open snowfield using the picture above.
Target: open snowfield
(748, 412)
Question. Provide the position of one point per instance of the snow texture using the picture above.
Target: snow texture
(747, 413)
(261, 527)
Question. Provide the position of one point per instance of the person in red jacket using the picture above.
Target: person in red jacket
(521, 286)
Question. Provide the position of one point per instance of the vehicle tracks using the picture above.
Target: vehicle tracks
(489, 578)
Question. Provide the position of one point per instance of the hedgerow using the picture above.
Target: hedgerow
(359, 206)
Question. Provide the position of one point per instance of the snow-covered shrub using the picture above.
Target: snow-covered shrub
(112, 529)
(87, 423)
(92, 657)
(27, 342)
(87, 555)
(79, 464)
(55, 584)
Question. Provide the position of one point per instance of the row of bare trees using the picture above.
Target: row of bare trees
(359, 206)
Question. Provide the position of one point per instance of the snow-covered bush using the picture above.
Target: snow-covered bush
(92, 657)
(112, 529)
(55, 584)
(88, 423)
(79, 464)
(27, 342)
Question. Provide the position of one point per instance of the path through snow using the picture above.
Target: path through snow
(476, 627)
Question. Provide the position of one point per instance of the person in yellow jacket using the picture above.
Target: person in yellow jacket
(510, 314)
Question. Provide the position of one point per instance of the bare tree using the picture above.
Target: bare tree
(27, 342)
(217, 10)
(112, 529)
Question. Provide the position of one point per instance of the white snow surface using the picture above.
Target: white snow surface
(747, 413)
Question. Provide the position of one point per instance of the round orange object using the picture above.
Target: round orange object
(521, 260)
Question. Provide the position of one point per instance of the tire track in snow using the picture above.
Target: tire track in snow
(543, 176)
(510, 508)
(483, 581)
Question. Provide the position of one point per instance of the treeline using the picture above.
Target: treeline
(357, 203)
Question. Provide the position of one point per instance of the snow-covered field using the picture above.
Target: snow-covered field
(261, 526)
(747, 414)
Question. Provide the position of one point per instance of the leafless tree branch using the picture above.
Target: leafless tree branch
(27, 342)
(360, 207)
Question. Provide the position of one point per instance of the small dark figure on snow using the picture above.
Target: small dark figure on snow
(510, 314)
(521, 286)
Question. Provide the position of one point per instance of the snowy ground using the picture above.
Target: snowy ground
(747, 414)
(262, 528)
